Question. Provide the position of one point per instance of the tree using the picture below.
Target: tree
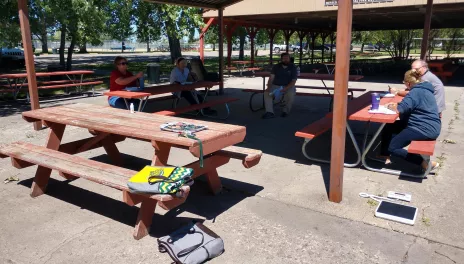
(455, 42)
(364, 37)
(10, 35)
(397, 42)
(42, 21)
(212, 36)
(434, 33)
(147, 22)
(177, 22)
(121, 19)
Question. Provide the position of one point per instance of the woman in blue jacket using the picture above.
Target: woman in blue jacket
(419, 120)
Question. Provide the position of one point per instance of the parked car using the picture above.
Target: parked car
(279, 47)
(371, 47)
(296, 47)
(13, 57)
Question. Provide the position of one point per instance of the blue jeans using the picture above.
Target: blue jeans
(403, 139)
(118, 102)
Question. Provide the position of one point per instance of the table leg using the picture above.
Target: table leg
(211, 163)
(348, 165)
(144, 218)
(161, 156)
(112, 151)
(127, 104)
(42, 175)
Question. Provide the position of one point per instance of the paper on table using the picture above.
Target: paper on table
(382, 110)
(388, 95)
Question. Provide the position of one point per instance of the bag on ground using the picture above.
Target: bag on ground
(192, 244)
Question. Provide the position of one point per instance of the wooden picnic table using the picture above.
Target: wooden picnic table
(16, 81)
(172, 88)
(308, 76)
(142, 96)
(108, 126)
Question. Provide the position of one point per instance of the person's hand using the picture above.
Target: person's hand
(393, 106)
(139, 75)
(393, 90)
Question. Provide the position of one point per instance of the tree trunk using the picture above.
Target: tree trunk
(70, 52)
(62, 44)
(44, 43)
(241, 54)
(174, 48)
(362, 47)
(148, 46)
(83, 46)
(214, 47)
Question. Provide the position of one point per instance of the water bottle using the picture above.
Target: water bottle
(132, 108)
(298, 71)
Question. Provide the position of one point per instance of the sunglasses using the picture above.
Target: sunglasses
(123, 63)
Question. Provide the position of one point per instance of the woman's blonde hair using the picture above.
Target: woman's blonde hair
(412, 77)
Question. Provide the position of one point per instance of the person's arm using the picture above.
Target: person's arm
(405, 106)
(293, 82)
(269, 82)
(397, 91)
(128, 80)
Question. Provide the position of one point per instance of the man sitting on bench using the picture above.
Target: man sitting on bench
(427, 76)
(180, 75)
(283, 76)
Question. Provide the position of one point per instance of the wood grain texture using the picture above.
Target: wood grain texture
(127, 94)
(142, 126)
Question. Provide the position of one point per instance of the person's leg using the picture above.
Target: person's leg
(268, 100)
(402, 140)
(189, 96)
(387, 133)
(289, 97)
(117, 102)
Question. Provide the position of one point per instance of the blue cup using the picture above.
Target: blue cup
(375, 101)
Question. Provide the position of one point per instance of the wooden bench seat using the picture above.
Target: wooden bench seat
(24, 154)
(57, 86)
(423, 147)
(315, 129)
(249, 157)
(190, 108)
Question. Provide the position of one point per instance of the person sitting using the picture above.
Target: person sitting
(180, 75)
(121, 79)
(419, 120)
(426, 76)
(283, 76)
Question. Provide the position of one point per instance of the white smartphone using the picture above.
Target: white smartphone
(396, 212)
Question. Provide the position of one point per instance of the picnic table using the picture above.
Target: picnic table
(358, 110)
(307, 76)
(443, 69)
(330, 67)
(177, 88)
(17, 81)
(242, 65)
(109, 126)
(142, 96)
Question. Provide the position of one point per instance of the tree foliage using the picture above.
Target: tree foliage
(455, 43)
(10, 35)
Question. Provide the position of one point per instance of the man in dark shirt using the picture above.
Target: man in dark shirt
(283, 77)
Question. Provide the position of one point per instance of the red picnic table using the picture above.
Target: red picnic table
(16, 81)
(177, 89)
(307, 76)
(109, 126)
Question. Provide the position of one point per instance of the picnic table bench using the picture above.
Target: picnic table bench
(109, 126)
(358, 111)
(17, 81)
(177, 88)
(308, 76)
(443, 69)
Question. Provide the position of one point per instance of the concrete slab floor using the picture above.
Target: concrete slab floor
(276, 212)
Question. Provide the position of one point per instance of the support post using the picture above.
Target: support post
(288, 33)
(425, 36)
(229, 31)
(29, 58)
(324, 36)
(252, 33)
(271, 33)
(344, 23)
(202, 39)
(312, 36)
(301, 35)
(221, 50)
(332, 40)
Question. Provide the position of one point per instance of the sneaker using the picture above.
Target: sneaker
(284, 114)
(268, 115)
